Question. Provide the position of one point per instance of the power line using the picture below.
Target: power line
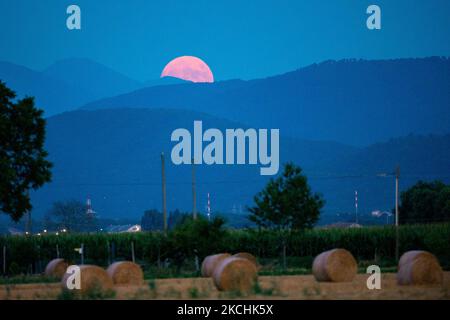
(146, 184)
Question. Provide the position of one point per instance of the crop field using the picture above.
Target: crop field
(170, 263)
(29, 255)
(269, 287)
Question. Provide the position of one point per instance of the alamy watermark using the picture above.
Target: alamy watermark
(73, 281)
(236, 146)
(374, 280)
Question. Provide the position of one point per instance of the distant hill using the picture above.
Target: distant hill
(417, 155)
(351, 101)
(65, 85)
(113, 155)
(91, 76)
(163, 82)
(50, 94)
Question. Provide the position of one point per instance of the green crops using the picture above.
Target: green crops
(31, 254)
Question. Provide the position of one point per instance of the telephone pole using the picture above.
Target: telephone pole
(164, 205)
(29, 223)
(397, 177)
(356, 206)
(194, 198)
(396, 174)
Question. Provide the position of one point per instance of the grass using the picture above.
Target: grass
(25, 279)
(287, 272)
(152, 288)
(166, 273)
(194, 293)
(260, 291)
(171, 272)
(94, 293)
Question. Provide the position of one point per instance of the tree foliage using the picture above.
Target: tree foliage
(199, 237)
(23, 164)
(70, 215)
(287, 202)
(425, 202)
(153, 220)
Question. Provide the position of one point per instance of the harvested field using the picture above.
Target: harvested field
(270, 287)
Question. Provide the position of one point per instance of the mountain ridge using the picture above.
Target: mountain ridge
(90, 75)
(355, 102)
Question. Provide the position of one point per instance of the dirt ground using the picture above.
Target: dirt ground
(270, 287)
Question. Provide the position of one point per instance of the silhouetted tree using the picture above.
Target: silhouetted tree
(177, 217)
(286, 204)
(425, 202)
(70, 215)
(199, 238)
(23, 164)
(152, 220)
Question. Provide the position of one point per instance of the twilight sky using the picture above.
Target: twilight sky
(237, 39)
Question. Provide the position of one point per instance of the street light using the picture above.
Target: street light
(378, 214)
(395, 174)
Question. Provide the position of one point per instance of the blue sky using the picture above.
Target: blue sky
(238, 39)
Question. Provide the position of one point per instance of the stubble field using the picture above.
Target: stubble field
(269, 287)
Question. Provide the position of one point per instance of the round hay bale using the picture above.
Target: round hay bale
(56, 268)
(235, 274)
(91, 278)
(419, 268)
(210, 263)
(248, 256)
(125, 272)
(337, 265)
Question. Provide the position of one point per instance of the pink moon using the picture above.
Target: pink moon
(188, 68)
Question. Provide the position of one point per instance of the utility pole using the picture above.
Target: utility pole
(397, 177)
(194, 198)
(356, 206)
(194, 211)
(163, 179)
(29, 226)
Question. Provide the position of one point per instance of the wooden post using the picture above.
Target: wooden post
(4, 259)
(109, 251)
(82, 253)
(132, 251)
(397, 245)
(194, 197)
(113, 251)
(164, 204)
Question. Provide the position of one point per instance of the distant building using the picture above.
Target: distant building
(15, 232)
(341, 225)
(124, 228)
(89, 211)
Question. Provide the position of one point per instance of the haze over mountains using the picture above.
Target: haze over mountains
(352, 101)
(51, 95)
(113, 155)
(89, 76)
(343, 122)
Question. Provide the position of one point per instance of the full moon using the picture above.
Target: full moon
(188, 68)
